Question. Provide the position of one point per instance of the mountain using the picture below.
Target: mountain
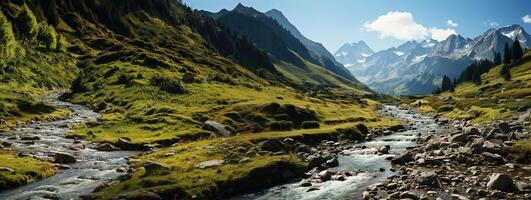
(418, 67)
(353, 53)
(315, 47)
(288, 53)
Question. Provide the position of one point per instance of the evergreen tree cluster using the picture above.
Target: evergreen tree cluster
(446, 85)
(511, 55)
(474, 71)
(8, 43)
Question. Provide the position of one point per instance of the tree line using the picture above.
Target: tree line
(473, 72)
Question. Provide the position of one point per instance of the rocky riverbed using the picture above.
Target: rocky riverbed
(81, 168)
(344, 167)
(464, 162)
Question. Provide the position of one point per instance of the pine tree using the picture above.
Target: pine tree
(8, 44)
(517, 52)
(48, 35)
(497, 58)
(446, 84)
(506, 73)
(506, 54)
(27, 24)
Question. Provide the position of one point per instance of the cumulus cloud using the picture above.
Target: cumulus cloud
(441, 34)
(526, 19)
(452, 23)
(399, 25)
(402, 26)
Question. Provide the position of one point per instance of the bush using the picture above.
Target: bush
(446, 108)
(169, 85)
(310, 124)
(281, 126)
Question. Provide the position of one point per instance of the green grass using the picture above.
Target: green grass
(26, 170)
(493, 99)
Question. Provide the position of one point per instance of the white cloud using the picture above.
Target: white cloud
(399, 25)
(526, 19)
(491, 23)
(452, 23)
(441, 34)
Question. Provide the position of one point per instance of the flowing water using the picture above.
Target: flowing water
(92, 168)
(364, 160)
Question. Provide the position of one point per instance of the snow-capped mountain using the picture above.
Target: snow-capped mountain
(418, 67)
(353, 53)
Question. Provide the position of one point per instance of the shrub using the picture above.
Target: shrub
(446, 108)
(168, 85)
(281, 126)
(8, 43)
(310, 124)
(48, 35)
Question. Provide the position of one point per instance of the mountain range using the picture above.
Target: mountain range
(418, 67)
(293, 54)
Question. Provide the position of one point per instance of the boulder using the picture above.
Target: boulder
(139, 195)
(492, 158)
(384, 149)
(315, 161)
(210, 163)
(273, 145)
(408, 195)
(64, 158)
(305, 183)
(325, 175)
(471, 131)
(107, 147)
(501, 182)
(77, 146)
(216, 127)
(402, 158)
(504, 127)
(153, 167)
(459, 138)
(188, 78)
(430, 179)
(333, 162)
(31, 137)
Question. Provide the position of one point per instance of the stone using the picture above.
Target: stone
(471, 131)
(459, 138)
(77, 146)
(314, 188)
(210, 163)
(245, 160)
(303, 148)
(188, 78)
(305, 183)
(273, 145)
(332, 162)
(31, 137)
(139, 195)
(384, 149)
(402, 158)
(216, 127)
(430, 179)
(491, 158)
(6, 169)
(408, 195)
(107, 147)
(325, 175)
(501, 182)
(504, 127)
(365, 195)
(64, 158)
(315, 161)
(153, 167)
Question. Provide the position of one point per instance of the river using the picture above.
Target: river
(363, 158)
(92, 168)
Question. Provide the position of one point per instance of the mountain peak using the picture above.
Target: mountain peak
(240, 8)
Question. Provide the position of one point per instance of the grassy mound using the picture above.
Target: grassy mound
(16, 171)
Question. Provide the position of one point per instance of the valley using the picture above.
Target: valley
(106, 99)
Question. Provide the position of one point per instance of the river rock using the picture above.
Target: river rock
(501, 182)
(333, 162)
(273, 145)
(384, 149)
(153, 167)
(471, 131)
(325, 175)
(492, 158)
(430, 179)
(216, 127)
(305, 183)
(139, 195)
(210, 163)
(459, 138)
(64, 158)
(504, 127)
(408, 195)
(6, 169)
(77, 146)
(31, 137)
(107, 147)
(402, 158)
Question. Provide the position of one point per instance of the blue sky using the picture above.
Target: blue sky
(336, 22)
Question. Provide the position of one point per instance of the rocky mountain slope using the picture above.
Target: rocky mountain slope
(353, 53)
(417, 67)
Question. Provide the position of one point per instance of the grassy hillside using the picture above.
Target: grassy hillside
(495, 98)
(156, 71)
